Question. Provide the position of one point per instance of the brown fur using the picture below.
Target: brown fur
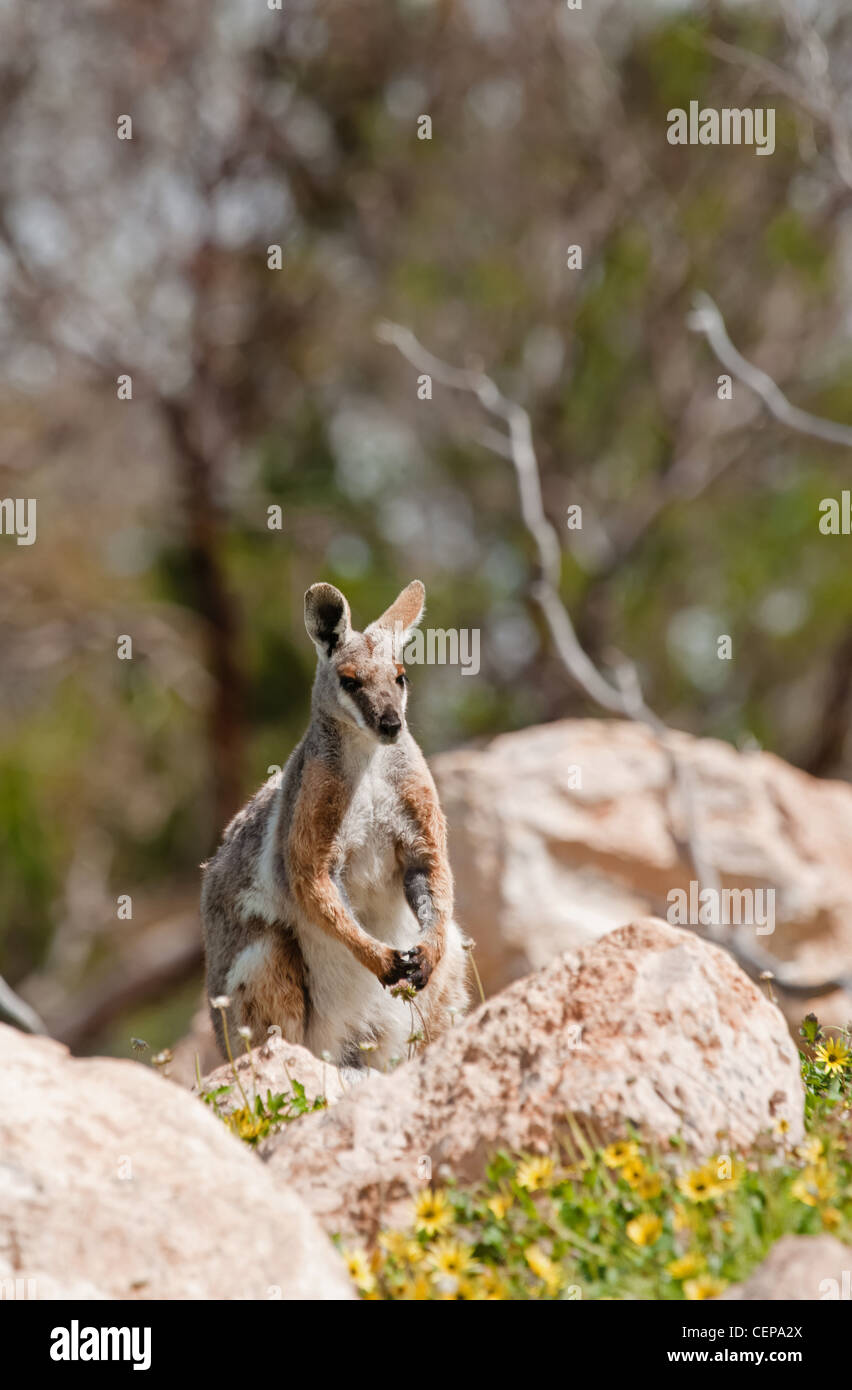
(280, 994)
(334, 880)
(310, 847)
(427, 849)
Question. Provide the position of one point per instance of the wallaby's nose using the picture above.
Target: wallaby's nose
(390, 725)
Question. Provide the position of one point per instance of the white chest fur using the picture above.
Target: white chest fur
(349, 1001)
(367, 868)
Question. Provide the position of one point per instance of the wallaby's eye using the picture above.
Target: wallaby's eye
(350, 683)
(402, 678)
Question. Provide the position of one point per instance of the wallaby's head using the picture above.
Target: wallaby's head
(361, 680)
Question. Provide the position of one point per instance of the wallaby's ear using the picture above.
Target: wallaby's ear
(403, 615)
(327, 618)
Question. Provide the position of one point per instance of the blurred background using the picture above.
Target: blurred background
(251, 387)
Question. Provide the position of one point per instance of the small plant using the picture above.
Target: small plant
(826, 1068)
(251, 1123)
(624, 1221)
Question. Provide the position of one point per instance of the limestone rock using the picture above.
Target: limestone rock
(543, 865)
(650, 1025)
(798, 1267)
(114, 1184)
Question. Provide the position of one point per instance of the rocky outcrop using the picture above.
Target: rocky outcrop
(649, 1026)
(273, 1067)
(562, 832)
(116, 1185)
(799, 1267)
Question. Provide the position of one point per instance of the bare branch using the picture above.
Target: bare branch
(816, 95)
(623, 696)
(519, 444)
(520, 449)
(18, 1012)
(707, 319)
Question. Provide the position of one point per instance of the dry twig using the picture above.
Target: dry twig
(623, 695)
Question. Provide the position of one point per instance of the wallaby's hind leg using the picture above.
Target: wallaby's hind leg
(445, 1000)
(267, 987)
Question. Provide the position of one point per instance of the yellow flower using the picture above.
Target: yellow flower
(781, 1127)
(451, 1257)
(831, 1218)
(810, 1150)
(651, 1185)
(616, 1155)
(833, 1054)
(543, 1267)
(401, 1247)
(725, 1173)
(432, 1212)
(416, 1290)
(813, 1185)
(686, 1266)
(395, 1244)
(632, 1171)
(699, 1185)
(534, 1173)
(467, 1291)
(491, 1287)
(457, 1290)
(703, 1287)
(682, 1218)
(245, 1123)
(449, 1289)
(359, 1270)
(644, 1229)
(574, 1172)
(499, 1204)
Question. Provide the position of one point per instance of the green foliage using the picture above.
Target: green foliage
(628, 1220)
(290, 401)
(251, 1123)
(826, 1070)
(26, 893)
(677, 63)
(789, 241)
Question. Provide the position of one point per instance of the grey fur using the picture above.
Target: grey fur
(249, 911)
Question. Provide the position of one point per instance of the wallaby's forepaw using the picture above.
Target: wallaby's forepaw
(409, 967)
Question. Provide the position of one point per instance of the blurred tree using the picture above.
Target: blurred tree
(255, 129)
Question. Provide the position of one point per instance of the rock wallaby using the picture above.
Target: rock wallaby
(333, 883)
